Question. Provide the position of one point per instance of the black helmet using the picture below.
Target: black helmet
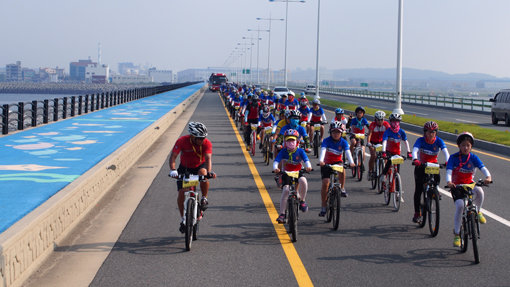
(360, 108)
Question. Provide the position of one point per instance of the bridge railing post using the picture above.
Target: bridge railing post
(73, 106)
(102, 100)
(64, 108)
(21, 115)
(92, 103)
(34, 113)
(46, 111)
(55, 109)
(5, 119)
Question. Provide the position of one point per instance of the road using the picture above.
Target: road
(241, 245)
(456, 116)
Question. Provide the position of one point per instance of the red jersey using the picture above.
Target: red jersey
(378, 131)
(192, 156)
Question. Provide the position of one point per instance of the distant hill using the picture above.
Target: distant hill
(390, 74)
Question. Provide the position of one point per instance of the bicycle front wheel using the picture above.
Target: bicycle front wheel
(292, 220)
(253, 143)
(329, 204)
(397, 195)
(464, 236)
(316, 145)
(190, 211)
(354, 169)
(336, 208)
(474, 235)
(385, 189)
(380, 167)
(433, 213)
(423, 208)
(375, 178)
(359, 165)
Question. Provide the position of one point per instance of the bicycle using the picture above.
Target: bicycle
(378, 167)
(470, 227)
(266, 145)
(392, 183)
(429, 203)
(253, 138)
(317, 138)
(237, 119)
(357, 171)
(192, 209)
(334, 197)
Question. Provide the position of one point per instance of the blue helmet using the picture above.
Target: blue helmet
(339, 111)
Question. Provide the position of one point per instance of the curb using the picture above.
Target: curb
(26, 244)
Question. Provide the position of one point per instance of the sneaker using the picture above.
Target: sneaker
(303, 206)
(456, 240)
(182, 227)
(204, 203)
(260, 146)
(281, 219)
(248, 148)
(323, 212)
(343, 193)
(417, 218)
(481, 218)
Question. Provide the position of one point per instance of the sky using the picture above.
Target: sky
(452, 36)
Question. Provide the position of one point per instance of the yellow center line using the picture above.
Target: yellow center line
(295, 262)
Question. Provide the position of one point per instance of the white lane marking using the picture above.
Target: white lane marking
(485, 211)
(466, 121)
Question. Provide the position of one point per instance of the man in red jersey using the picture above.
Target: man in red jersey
(196, 154)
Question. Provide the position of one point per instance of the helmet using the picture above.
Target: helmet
(336, 125)
(339, 111)
(465, 135)
(291, 93)
(303, 103)
(379, 115)
(294, 114)
(197, 129)
(250, 95)
(283, 112)
(360, 108)
(430, 126)
(265, 109)
(303, 95)
(284, 95)
(264, 93)
(316, 102)
(290, 133)
(255, 98)
(277, 97)
(395, 117)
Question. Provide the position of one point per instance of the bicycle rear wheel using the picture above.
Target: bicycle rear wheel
(292, 220)
(397, 195)
(190, 211)
(433, 213)
(474, 236)
(359, 165)
(375, 178)
(423, 208)
(336, 200)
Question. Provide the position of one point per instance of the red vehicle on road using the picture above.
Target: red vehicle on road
(216, 80)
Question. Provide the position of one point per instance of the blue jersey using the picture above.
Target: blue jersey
(334, 149)
(316, 114)
(393, 140)
(292, 105)
(305, 111)
(292, 160)
(358, 125)
(266, 122)
(301, 130)
(463, 167)
(429, 152)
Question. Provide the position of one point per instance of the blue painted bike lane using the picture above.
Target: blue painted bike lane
(37, 163)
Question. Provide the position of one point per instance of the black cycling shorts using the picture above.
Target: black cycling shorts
(182, 169)
(326, 171)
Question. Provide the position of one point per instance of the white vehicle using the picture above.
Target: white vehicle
(310, 89)
(280, 91)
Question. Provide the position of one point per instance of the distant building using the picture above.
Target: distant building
(126, 68)
(192, 75)
(77, 70)
(130, 79)
(161, 76)
(97, 74)
(28, 75)
(13, 72)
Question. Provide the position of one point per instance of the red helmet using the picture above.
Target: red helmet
(430, 126)
(291, 133)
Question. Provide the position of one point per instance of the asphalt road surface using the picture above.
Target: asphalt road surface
(240, 243)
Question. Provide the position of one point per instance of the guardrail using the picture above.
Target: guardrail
(20, 115)
(472, 104)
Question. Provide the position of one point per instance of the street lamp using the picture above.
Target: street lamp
(251, 44)
(245, 55)
(398, 99)
(317, 57)
(258, 38)
(286, 22)
(269, 48)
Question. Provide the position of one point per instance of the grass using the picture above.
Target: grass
(495, 136)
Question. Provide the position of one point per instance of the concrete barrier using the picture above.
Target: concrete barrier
(26, 244)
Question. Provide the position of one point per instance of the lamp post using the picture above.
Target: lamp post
(245, 55)
(258, 38)
(398, 99)
(269, 48)
(286, 24)
(251, 50)
(317, 57)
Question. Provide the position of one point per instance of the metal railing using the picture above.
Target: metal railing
(21, 115)
(473, 104)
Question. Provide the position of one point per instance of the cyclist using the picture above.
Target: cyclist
(375, 134)
(291, 103)
(461, 169)
(426, 149)
(281, 104)
(293, 118)
(391, 142)
(266, 119)
(318, 117)
(294, 157)
(357, 126)
(304, 110)
(196, 158)
(251, 116)
(339, 116)
(332, 149)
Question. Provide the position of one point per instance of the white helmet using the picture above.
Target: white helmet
(395, 117)
(379, 115)
(197, 129)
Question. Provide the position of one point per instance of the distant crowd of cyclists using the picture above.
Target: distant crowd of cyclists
(292, 121)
